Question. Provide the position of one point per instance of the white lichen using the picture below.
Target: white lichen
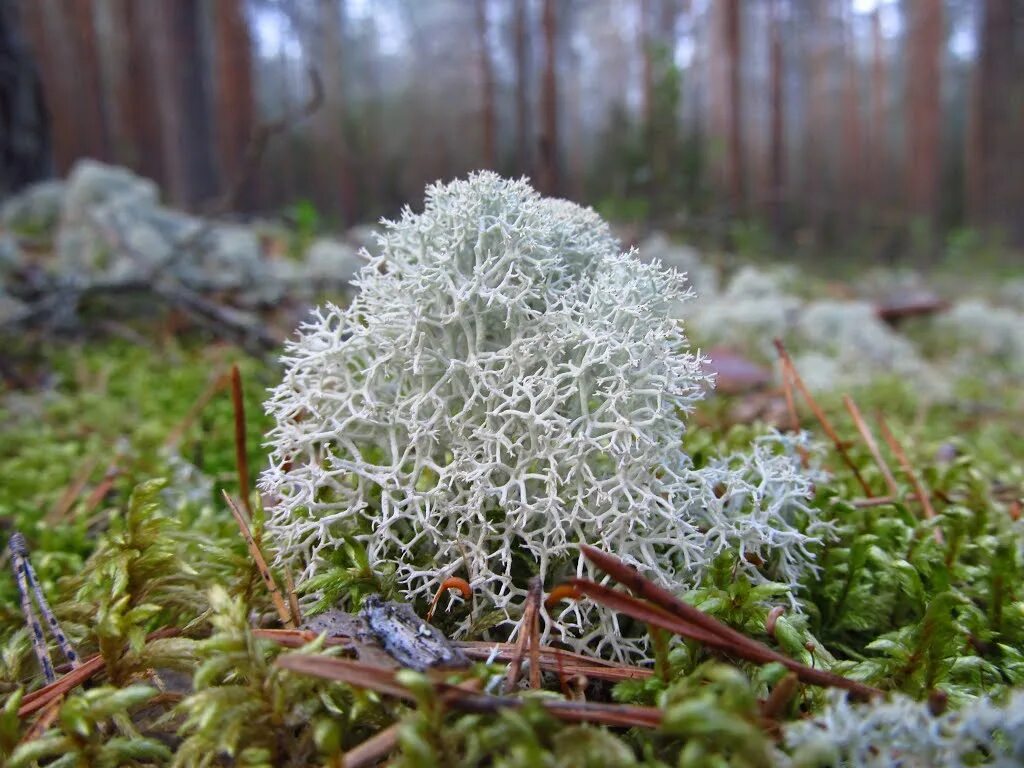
(844, 343)
(981, 332)
(753, 310)
(757, 504)
(505, 385)
(902, 732)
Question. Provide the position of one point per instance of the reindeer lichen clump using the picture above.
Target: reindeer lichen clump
(505, 385)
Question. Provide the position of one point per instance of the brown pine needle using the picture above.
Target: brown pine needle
(261, 563)
(452, 582)
(869, 441)
(100, 492)
(42, 697)
(536, 597)
(293, 599)
(908, 469)
(241, 455)
(787, 390)
(374, 749)
(67, 499)
(44, 721)
(692, 618)
(381, 744)
(216, 385)
(39, 699)
(550, 659)
(384, 681)
(524, 641)
(826, 425)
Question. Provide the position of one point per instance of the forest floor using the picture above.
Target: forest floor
(115, 453)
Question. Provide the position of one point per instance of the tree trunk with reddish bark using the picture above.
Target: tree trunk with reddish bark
(995, 160)
(923, 100)
(777, 145)
(337, 182)
(487, 122)
(90, 95)
(549, 177)
(524, 130)
(234, 103)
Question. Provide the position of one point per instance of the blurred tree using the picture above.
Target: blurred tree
(233, 88)
(879, 112)
(523, 74)
(487, 118)
(25, 150)
(995, 162)
(727, 101)
(89, 92)
(777, 150)
(337, 183)
(833, 118)
(549, 174)
(923, 87)
(852, 127)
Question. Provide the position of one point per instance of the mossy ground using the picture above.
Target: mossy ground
(896, 605)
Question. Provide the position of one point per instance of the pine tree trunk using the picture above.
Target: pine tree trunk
(550, 182)
(777, 151)
(995, 167)
(879, 115)
(734, 126)
(337, 182)
(853, 139)
(923, 94)
(233, 89)
(489, 159)
(90, 95)
(25, 150)
(522, 57)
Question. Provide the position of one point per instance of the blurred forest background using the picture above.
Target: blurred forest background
(885, 127)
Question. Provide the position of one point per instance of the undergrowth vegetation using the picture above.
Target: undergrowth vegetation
(891, 555)
(155, 578)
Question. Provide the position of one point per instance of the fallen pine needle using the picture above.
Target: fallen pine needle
(38, 699)
(692, 618)
(549, 659)
(826, 425)
(901, 456)
(378, 746)
(384, 681)
(241, 455)
(869, 441)
(261, 564)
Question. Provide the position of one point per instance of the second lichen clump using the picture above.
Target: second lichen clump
(505, 385)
